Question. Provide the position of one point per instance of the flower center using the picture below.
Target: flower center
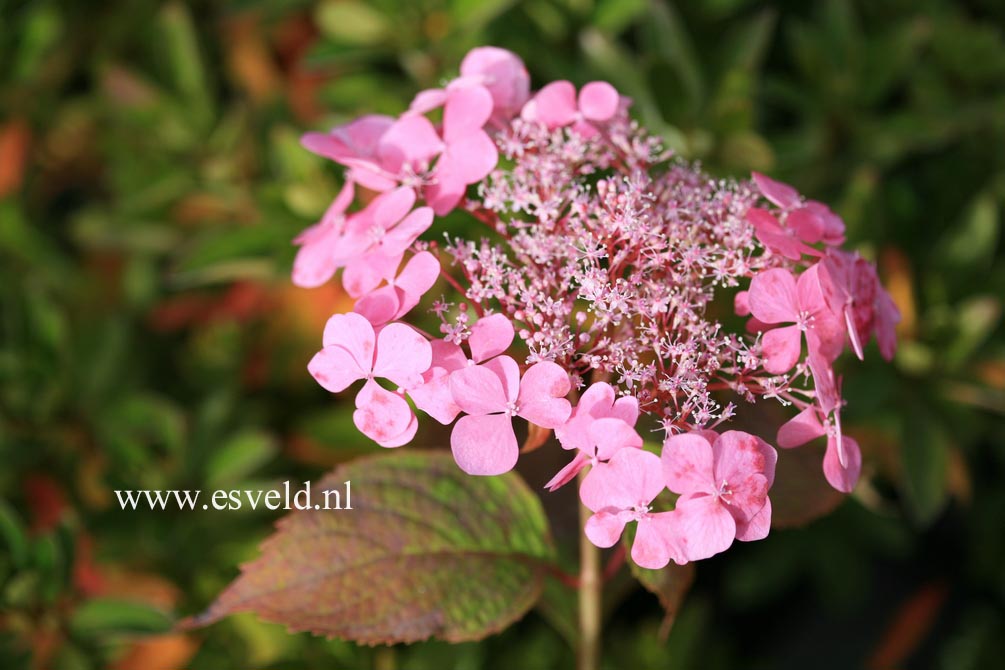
(511, 409)
(804, 319)
(639, 511)
(725, 494)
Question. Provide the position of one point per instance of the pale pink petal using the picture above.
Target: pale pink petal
(478, 390)
(800, 429)
(842, 478)
(470, 157)
(632, 478)
(316, 261)
(569, 472)
(705, 528)
(467, 110)
(389, 208)
(365, 272)
(651, 547)
(780, 194)
(509, 375)
(448, 355)
(353, 333)
(741, 303)
(739, 455)
(604, 528)
(505, 76)
(626, 408)
(335, 369)
(428, 100)
(411, 140)
(380, 414)
(484, 445)
(404, 437)
(402, 355)
(782, 348)
(379, 306)
(555, 104)
(403, 235)
(598, 101)
(773, 297)
(688, 464)
(419, 275)
(342, 200)
(541, 399)
(433, 396)
(596, 402)
(490, 336)
(610, 435)
(757, 527)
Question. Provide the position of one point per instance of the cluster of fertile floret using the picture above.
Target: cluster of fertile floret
(605, 259)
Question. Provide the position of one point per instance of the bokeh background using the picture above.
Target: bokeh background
(151, 181)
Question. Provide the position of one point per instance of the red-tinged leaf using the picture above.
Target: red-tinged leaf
(800, 493)
(425, 551)
(536, 437)
(670, 585)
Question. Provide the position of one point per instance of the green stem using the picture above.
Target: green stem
(590, 592)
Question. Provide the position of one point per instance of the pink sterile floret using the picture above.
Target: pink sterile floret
(621, 491)
(319, 255)
(723, 486)
(491, 394)
(843, 458)
(556, 105)
(400, 294)
(352, 351)
(852, 289)
(777, 297)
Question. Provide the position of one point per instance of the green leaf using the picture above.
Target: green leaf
(800, 493)
(12, 532)
(613, 16)
(352, 22)
(111, 616)
(425, 550)
(972, 244)
(925, 458)
(239, 457)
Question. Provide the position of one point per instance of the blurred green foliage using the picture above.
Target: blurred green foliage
(150, 182)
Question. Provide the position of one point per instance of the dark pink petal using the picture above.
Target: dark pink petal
(335, 369)
(569, 472)
(887, 318)
(478, 390)
(704, 526)
(739, 455)
(555, 104)
(380, 414)
(746, 498)
(757, 527)
(773, 297)
(831, 224)
(598, 101)
(490, 336)
(542, 395)
(610, 435)
(467, 110)
(651, 547)
(632, 478)
(402, 355)
(688, 464)
(604, 528)
(403, 235)
(780, 194)
(782, 348)
(411, 140)
(800, 429)
(353, 333)
(484, 445)
(828, 396)
(806, 224)
(842, 478)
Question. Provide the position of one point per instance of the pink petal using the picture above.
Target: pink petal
(541, 399)
(741, 303)
(353, 333)
(504, 75)
(335, 369)
(478, 390)
(404, 437)
(631, 478)
(490, 336)
(800, 429)
(780, 194)
(389, 208)
(782, 348)
(825, 387)
(555, 104)
(317, 260)
(705, 528)
(596, 402)
(403, 235)
(805, 223)
(364, 273)
(402, 355)
(428, 100)
(843, 478)
(610, 435)
(604, 528)
(448, 355)
(739, 455)
(357, 139)
(484, 445)
(380, 414)
(509, 374)
(651, 548)
(809, 294)
(467, 110)
(433, 396)
(379, 306)
(687, 464)
(757, 527)
(466, 161)
(887, 318)
(747, 497)
(626, 408)
(411, 140)
(419, 275)
(773, 297)
(598, 101)
(569, 472)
